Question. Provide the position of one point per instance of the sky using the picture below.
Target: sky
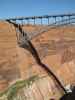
(13, 8)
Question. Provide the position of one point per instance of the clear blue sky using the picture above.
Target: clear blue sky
(12, 8)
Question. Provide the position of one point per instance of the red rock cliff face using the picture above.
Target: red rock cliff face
(8, 52)
(55, 48)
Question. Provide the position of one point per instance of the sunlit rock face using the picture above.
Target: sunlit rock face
(55, 48)
(8, 53)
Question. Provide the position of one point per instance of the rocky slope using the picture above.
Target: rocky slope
(56, 49)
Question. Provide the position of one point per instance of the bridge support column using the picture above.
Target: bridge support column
(41, 21)
(34, 21)
(48, 20)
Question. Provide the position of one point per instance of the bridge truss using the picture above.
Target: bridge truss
(45, 20)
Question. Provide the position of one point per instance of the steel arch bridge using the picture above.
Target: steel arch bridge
(52, 21)
(49, 19)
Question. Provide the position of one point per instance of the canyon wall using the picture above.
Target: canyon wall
(56, 48)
